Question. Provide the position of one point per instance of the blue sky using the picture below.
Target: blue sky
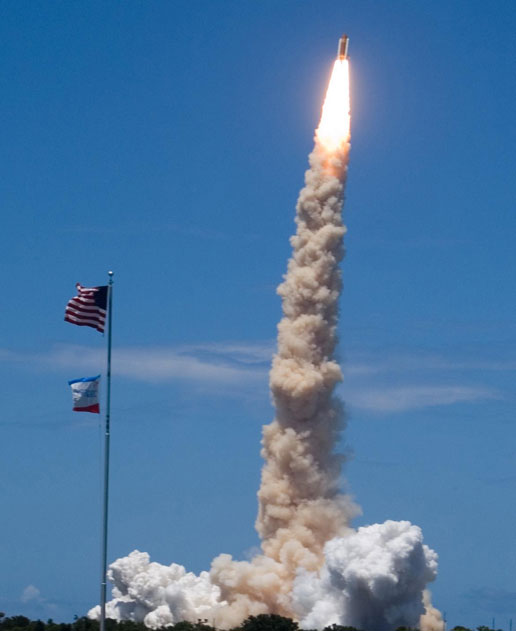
(167, 141)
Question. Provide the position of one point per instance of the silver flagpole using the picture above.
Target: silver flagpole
(106, 465)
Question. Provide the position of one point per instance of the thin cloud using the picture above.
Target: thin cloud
(216, 364)
(370, 364)
(413, 397)
(244, 353)
(165, 364)
(31, 593)
(240, 364)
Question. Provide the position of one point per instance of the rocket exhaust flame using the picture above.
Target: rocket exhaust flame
(334, 127)
(314, 567)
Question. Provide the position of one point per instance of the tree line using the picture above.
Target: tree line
(262, 622)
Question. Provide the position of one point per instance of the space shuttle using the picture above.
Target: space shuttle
(342, 50)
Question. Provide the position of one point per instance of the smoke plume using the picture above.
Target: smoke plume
(371, 579)
(314, 567)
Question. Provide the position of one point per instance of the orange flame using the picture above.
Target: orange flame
(334, 127)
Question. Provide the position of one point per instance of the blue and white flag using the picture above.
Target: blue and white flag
(85, 394)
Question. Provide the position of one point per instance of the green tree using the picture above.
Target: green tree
(268, 622)
(19, 621)
(200, 625)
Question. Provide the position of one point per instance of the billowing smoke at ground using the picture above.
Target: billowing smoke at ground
(371, 579)
(158, 594)
(314, 567)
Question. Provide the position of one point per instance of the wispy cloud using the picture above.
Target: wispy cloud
(250, 353)
(204, 363)
(386, 382)
(373, 382)
(413, 397)
(372, 363)
(31, 593)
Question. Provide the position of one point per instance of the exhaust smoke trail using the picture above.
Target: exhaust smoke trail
(300, 504)
(314, 567)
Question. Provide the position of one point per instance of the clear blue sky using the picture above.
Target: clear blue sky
(167, 141)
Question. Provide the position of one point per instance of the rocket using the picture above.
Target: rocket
(342, 50)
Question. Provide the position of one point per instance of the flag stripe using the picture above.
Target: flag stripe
(84, 317)
(85, 314)
(84, 301)
(88, 308)
(91, 408)
(84, 380)
(96, 324)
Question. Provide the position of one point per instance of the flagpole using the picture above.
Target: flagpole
(103, 583)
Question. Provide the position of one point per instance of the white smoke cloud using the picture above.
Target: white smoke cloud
(156, 594)
(372, 579)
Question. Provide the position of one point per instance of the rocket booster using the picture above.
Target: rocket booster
(342, 50)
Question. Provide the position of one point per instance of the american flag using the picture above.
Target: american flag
(88, 308)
